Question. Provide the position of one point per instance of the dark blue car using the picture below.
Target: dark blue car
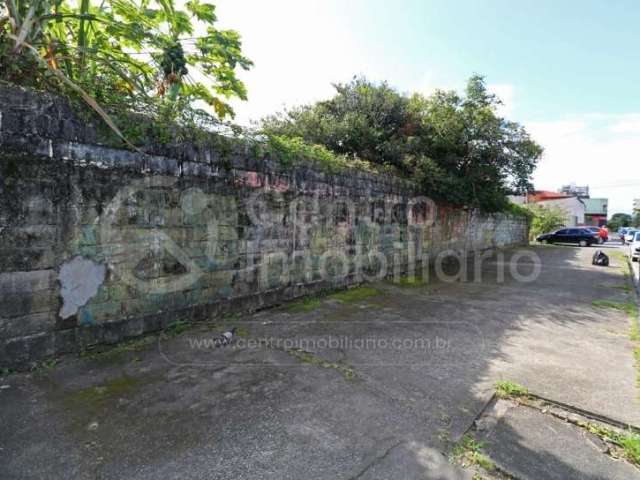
(580, 236)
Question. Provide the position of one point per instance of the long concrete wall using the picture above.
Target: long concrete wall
(99, 243)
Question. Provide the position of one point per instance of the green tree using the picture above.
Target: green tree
(457, 147)
(140, 54)
(363, 119)
(470, 154)
(619, 220)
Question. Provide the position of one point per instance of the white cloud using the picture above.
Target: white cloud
(299, 50)
(629, 123)
(590, 150)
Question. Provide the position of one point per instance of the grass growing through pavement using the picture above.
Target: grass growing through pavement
(507, 389)
(629, 307)
(177, 328)
(467, 452)
(631, 445)
(355, 294)
(307, 304)
(351, 295)
(628, 442)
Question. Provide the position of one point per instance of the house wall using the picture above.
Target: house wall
(573, 206)
(595, 220)
(99, 243)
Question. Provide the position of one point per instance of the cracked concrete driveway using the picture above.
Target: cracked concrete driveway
(375, 383)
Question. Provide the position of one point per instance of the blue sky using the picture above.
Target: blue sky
(568, 70)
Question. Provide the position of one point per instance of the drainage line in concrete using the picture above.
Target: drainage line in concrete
(585, 413)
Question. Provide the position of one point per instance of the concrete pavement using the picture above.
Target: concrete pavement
(375, 383)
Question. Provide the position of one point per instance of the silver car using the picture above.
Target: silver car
(630, 235)
(634, 247)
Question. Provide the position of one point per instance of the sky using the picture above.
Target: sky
(567, 70)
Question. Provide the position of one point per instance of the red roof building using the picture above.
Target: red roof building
(543, 195)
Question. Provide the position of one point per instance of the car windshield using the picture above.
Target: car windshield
(637, 237)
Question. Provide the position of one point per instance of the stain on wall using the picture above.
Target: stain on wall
(79, 280)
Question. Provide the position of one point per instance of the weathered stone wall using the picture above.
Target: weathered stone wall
(99, 243)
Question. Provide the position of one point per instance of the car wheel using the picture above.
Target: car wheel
(583, 243)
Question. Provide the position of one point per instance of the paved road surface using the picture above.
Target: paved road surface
(296, 404)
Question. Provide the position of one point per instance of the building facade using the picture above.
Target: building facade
(596, 210)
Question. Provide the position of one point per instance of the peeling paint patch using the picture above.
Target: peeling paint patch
(80, 279)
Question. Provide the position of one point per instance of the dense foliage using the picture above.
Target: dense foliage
(135, 54)
(619, 220)
(457, 146)
(545, 219)
(167, 59)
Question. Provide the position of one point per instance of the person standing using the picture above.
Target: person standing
(603, 233)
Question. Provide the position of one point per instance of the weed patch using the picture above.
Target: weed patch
(305, 305)
(507, 389)
(629, 307)
(176, 328)
(631, 446)
(355, 294)
(468, 452)
(628, 442)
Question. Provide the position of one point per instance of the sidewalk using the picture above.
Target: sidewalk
(287, 409)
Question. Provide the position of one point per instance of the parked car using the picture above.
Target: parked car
(634, 247)
(629, 235)
(581, 236)
(596, 231)
(622, 232)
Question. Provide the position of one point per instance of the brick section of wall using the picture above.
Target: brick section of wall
(186, 232)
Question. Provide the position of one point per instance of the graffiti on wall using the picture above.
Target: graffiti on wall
(180, 247)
